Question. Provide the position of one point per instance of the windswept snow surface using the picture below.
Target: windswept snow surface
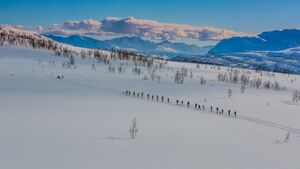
(82, 121)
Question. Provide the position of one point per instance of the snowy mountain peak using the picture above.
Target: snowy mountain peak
(266, 41)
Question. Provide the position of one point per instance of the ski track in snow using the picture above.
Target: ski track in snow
(270, 124)
(242, 117)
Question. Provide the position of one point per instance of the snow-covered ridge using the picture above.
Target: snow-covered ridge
(12, 29)
(13, 36)
(34, 34)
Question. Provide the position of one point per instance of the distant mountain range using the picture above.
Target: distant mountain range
(135, 44)
(273, 51)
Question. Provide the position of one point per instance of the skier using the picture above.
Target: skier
(148, 96)
(287, 137)
(181, 102)
(168, 100)
(177, 102)
(199, 107)
(162, 98)
(222, 111)
(188, 104)
(228, 112)
(211, 108)
(217, 110)
(196, 105)
(157, 98)
(234, 113)
(142, 94)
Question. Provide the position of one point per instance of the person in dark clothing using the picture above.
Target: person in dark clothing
(177, 102)
(157, 98)
(162, 98)
(234, 113)
(217, 109)
(148, 96)
(188, 104)
(168, 100)
(222, 111)
(129, 93)
(133, 93)
(152, 97)
(199, 107)
(211, 108)
(196, 105)
(142, 94)
(228, 112)
(181, 102)
(203, 107)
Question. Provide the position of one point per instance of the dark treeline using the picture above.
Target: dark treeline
(275, 68)
(23, 39)
(235, 76)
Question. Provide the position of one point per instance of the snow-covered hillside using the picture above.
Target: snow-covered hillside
(83, 120)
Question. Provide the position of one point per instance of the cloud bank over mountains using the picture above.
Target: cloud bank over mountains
(144, 28)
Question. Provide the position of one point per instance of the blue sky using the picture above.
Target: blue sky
(251, 16)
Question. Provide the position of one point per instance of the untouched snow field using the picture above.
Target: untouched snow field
(82, 121)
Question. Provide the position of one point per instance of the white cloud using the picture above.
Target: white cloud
(144, 28)
(89, 25)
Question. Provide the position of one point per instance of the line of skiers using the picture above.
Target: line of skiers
(221, 111)
(179, 103)
(152, 97)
